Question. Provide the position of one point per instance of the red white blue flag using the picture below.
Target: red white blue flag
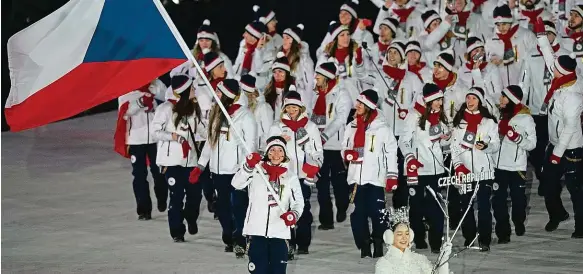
(87, 53)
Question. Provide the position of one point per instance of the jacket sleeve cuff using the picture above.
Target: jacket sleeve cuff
(392, 175)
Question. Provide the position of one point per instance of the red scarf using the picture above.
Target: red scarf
(382, 47)
(295, 125)
(215, 82)
(361, 125)
(173, 101)
(463, 17)
(555, 48)
(341, 54)
(248, 59)
(557, 83)
(574, 35)
(280, 84)
(273, 171)
(473, 121)
(396, 73)
(503, 126)
(443, 84)
(119, 137)
(233, 108)
(417, 68)
(532, 15)
(470, 65)
(403, 13)
(477, 4)
(320, 107)
(433, 116)
(272, 33)
(200, 56)
(507, 38)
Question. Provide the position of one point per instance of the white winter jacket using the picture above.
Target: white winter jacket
(424, 144)
(395, 106)
(304, 74)
(523, 41)
(170, 151)
(476, 160)
(512, 156)
(374, 63)
(260, 64)
(338, 105)
(228, 153)
(205, 102)
(349, 76)
(264, 118)
(138, 120)
(488, 79)
(378, 160)
(412, 28)
(454, 97)
(432, 44)
(261, 218)
(564, 112)
(300, 149)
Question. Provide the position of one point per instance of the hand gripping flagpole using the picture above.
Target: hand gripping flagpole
(191, 58)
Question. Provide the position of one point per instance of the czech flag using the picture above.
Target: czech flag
(86, 53)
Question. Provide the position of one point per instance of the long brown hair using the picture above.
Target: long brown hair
(197, 50)
(270, 92)
(425, 116)
(459, 116)
(185, 107)
(216, 120)
(293, 55)
(331, 48)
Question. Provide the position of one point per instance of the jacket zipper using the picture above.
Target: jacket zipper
(267, 224)
(557, 128)
(130, 129)
(296, 152)
(148, 119)
(516, 155)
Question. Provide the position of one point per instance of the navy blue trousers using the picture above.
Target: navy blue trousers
(222, 183)
(302, 236)
(177, 177)
(267, 255)
(369, 201)
(423, 204)
(138, 154)
(239, 202)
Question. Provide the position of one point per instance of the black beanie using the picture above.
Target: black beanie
(369, 98)
(514, 93)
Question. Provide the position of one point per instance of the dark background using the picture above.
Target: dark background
(228, 17)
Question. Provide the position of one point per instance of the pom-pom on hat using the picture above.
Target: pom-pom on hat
(281, 62)
(295, 32)
(205, 31)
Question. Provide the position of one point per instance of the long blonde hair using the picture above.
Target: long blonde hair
(197, 50)
(294, 55)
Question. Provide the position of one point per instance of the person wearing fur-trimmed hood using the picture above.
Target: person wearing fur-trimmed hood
(175, 126)
(399, 258)
(304, 147)
(371, 151)
(265, 224)
(224, 154)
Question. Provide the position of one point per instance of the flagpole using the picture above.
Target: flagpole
(191, 58)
